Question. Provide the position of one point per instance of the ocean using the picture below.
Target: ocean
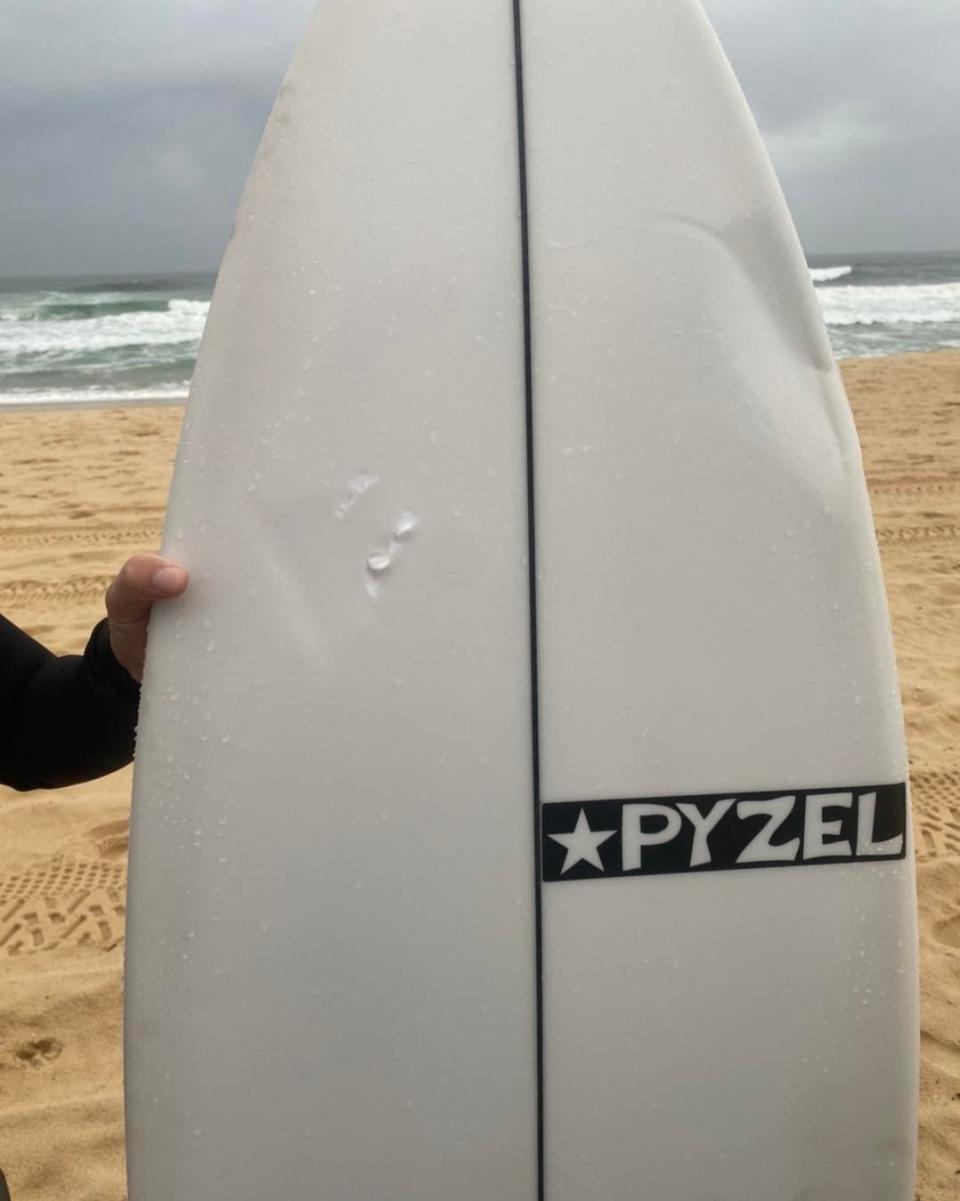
(876, 304)
(104, 339)
(100, 339)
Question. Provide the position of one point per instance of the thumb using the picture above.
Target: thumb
(139, 582)
(142, 580)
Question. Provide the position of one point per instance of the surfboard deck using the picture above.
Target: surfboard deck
(535, 608)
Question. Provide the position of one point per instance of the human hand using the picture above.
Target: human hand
(140, 581)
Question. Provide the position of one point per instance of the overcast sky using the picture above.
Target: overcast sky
(127, 126)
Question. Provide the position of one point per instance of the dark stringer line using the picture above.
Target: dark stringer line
(532, 581)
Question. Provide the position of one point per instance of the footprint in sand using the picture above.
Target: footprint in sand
(111, 839)
(936, 803)
(940, 1055)
(92, 921)
(38, 1054)
(947, 932)
(67, 902)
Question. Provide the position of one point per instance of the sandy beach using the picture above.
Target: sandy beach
(80, 490)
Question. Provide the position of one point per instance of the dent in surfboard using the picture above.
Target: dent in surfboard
(381, 561)
(780, 306)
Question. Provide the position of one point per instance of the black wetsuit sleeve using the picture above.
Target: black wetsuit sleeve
(63, 719)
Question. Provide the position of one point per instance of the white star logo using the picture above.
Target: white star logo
(582, 844)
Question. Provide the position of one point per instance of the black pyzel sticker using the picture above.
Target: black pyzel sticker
(653, 835)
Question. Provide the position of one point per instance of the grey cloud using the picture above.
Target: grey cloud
(128, 129)
(858, 103)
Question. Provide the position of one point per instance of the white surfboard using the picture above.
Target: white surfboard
(520, 802)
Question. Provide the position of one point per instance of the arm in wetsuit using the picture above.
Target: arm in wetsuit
(63, 719)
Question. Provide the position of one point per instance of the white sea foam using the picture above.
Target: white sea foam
(182, 322)
(75, 397)
(891, 304)
(822, 275)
